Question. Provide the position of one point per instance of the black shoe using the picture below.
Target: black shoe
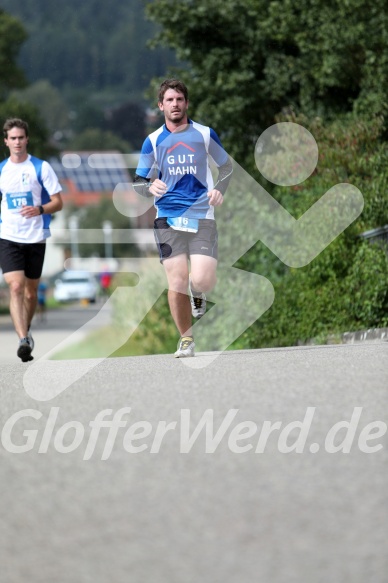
(30, 339)
(24, 350)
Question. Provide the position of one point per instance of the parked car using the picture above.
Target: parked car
(76, 285)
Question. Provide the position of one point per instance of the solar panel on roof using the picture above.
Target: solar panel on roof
(100, 171)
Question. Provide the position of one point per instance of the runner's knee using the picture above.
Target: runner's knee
(30, 294)
(203, 282)
(16, 287)
(178, 283)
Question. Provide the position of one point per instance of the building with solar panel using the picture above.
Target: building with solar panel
(88, 176)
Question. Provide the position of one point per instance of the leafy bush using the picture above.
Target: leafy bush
(346, 286)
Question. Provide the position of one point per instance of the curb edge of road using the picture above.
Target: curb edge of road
(369, 335)
(353, 337)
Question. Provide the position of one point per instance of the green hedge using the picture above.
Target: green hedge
(346, 286)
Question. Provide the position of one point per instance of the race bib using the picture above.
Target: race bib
(183, 224)
(16, 200)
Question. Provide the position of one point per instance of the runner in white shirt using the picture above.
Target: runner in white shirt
(30, 194)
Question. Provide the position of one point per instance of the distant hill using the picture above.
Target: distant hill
(91, 44)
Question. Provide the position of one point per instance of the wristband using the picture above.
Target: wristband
(41, 209)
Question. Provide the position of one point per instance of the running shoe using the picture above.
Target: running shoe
(24, 350)
(30, 339)
(198, 304)
(185, 347)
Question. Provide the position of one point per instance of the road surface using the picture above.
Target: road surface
(155, 500)
(57, 327)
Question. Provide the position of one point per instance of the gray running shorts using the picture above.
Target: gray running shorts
(171, 242)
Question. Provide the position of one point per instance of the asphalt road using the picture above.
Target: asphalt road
(57, 326)
(162, 509)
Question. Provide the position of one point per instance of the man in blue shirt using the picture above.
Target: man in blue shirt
(174, 169)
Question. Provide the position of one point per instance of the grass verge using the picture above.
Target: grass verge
(154, 335)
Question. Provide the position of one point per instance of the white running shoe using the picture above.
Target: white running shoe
(185, 347)
(198, 304)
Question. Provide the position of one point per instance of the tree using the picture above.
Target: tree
(98, 140)
(128, 121)
(48, 100)
(325, 64)
(38, 143)
(12, 35)
(346, 286)
(93, 217)
(94, 45)
(251, 59)
(88, 114)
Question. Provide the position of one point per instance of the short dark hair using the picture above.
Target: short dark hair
(15, 122)
(172, 84)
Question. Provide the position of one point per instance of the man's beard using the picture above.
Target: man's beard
(177, 119)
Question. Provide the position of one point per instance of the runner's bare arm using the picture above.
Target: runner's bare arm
(53, 206)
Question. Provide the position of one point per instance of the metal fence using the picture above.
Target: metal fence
(379, 236)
